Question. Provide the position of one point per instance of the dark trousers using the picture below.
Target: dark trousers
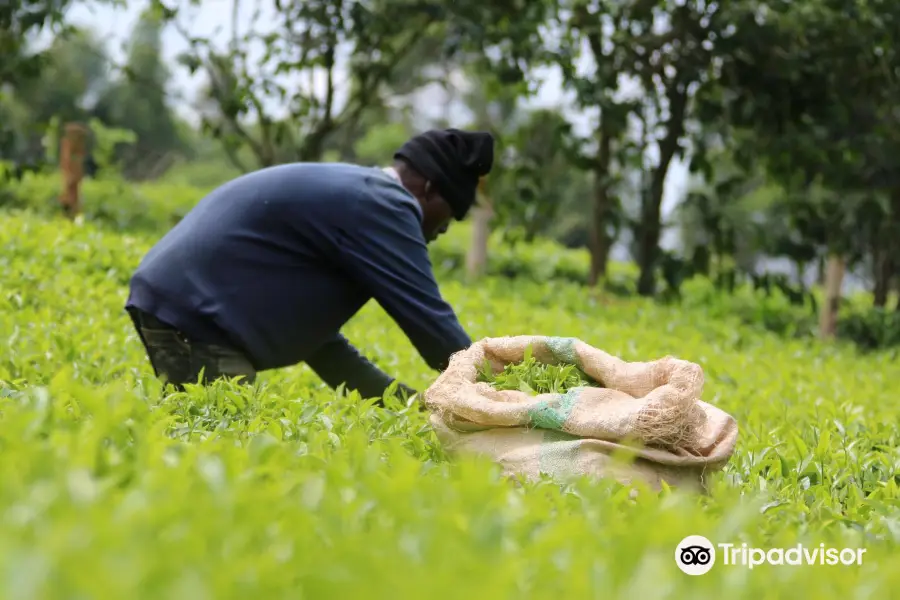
(178, 360)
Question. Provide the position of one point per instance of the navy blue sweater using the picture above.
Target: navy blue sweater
(276, 261)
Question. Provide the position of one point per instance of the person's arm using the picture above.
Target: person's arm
(337, 362)
(384, 250)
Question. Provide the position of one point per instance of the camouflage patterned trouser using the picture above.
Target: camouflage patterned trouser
(177, 360)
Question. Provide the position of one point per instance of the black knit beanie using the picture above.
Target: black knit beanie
(453, 161)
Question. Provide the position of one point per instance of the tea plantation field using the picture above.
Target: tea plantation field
(111, 489)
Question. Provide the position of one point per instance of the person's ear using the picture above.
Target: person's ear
(429, 190)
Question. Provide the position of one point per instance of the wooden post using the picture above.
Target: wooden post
(834, 277)
(71, 163)
(476, 258)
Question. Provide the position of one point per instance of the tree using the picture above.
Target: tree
(20, 19)
(516, 195)
(261, 93)
(246, 91)
(670, 65)
(137, 101)
(534, 174)
(494, 107)
(588, 26)
(74, 74)
(816, 83)
(625, 43)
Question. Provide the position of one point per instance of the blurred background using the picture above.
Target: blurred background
(740, 155)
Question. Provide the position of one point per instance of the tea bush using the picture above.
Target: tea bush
(112, 488)
(121, 206)
(109, 202)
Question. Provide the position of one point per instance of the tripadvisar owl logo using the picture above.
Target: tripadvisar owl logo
(695, 555)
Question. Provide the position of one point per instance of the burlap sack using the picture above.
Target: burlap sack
(646, 422)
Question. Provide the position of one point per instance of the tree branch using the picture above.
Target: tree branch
(222, 97)
(356, 104)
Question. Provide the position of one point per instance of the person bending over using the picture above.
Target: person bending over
(265, 270)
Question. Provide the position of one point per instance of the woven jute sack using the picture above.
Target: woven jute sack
(646, 423)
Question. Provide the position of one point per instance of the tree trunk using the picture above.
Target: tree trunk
(884, 252)
(476, 258)
(820, 271)
(71, 162)
(650, 227)
(600, 242)
(834, 278)
(882, 272)
(649, 231)
(894, 245)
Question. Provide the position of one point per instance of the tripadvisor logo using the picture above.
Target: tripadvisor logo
(696, 555)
